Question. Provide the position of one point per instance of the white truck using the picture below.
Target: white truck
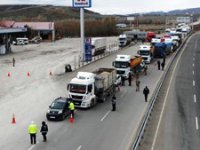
(127, 63)
(87, 88)
(98, 46)
(124, 40)
(146, 52)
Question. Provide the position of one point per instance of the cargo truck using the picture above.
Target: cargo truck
(159, 50)
(146, 52)
(87, 88)
(98, 46)
(127, 63)
(124, 40)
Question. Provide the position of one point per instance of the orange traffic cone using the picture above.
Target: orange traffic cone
(28, 74)
(9, 74)
(13, 119)
(71, 119)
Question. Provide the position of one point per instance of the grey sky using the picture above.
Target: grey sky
(119, 6)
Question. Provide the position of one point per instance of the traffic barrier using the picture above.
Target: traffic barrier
(71, 119)
(13, 119)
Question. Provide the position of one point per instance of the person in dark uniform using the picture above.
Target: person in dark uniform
(158, 62)
(163, 65)
(113, 103)
(44, 130)
(13, 62)
(123, 80)
(146, 93)
(129, 78)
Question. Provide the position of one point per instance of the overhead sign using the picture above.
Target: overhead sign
(130, 18)
(82, 3)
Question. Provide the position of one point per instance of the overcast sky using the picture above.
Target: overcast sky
(119, 6)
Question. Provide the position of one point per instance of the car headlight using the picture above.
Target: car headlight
(60, 112)
(48, 111)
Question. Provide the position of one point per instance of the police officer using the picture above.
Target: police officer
(158, 62)
(44, 130)
(113, 103)
(129, 78)
(71, 108)
(13, 62)
(146, 93)
(32, 130)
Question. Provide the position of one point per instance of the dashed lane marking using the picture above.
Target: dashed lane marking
(193, 72)
(79, 147)
(192, 65)
(31, 147)
(195, 98)
(197, 123)
(193, 83)
(105, 116)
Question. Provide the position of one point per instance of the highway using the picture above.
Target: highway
(175, 121)
(98, 128)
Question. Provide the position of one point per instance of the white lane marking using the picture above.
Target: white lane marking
(105, 115)
(165, 99)
(195, 98)
(193, 72)
(192, 65)
(31, 147)
(197, 123)
(79, 147)
(193, 58)
(193, 83)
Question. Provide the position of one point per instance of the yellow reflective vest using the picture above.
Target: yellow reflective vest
(71, 106)
(32, 129)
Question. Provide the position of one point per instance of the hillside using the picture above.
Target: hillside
(42, 13)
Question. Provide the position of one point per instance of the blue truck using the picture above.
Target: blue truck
(159, 50)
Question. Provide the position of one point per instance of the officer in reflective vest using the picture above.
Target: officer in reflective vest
(71, 108)
(32, 130)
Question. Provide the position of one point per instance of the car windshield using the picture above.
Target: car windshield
(77, 88)
(120, 64)
(146, 53)
(57, 105)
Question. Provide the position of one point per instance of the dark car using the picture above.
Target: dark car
(58, 110)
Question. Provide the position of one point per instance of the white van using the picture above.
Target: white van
(21, 41)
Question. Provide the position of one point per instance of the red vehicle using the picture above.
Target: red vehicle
(150, 35)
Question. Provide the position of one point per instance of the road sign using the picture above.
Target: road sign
(88, 49)
(82, 3)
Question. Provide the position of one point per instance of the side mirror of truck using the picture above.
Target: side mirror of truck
(67, 86)
(113, 64)
(138, 52)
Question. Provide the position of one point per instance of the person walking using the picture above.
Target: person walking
(32, 130)
(137, 75)
(146, 93)
(137, 85)
(158, 62)
(145, 70)
(13, 62)
(129, 78)
(163, 65)
(113, 103)
(71, 108)
(44, 130)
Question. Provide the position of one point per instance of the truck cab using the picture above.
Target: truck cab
(124, 40)
(122, 65)
(82, 90)
(146, 53)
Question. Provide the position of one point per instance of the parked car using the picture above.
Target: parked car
(21, 41)
(58, 110)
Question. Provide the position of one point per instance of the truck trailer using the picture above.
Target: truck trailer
(98, 46)
(89, 87)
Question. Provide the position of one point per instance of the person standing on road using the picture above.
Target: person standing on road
(137, 85)
(146, 93)
(44, 130)
(123, 80)
(71, 108)
(163, 65)
(158, 62)
(113, 103)
(32, 130)
(129, 78)
(145, 70)
(13, 62)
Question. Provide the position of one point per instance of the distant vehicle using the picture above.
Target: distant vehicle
(36, 40)
(58, 110)
(87, 88)
(121, 25)
(21, 41)
(146, 52)
(127, 63)
(124, 40)
(150, 36)
(98, 46)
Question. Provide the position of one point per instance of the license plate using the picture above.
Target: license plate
(52, 117)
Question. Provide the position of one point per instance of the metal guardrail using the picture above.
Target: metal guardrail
(145, 119)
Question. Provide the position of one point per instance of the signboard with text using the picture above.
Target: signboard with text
(88, 49)
(81, 3)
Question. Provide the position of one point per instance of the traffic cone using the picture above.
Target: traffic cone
(28, 74)
(9, 74)
(71, 119)
(13, 119)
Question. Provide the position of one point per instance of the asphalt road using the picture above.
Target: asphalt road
(176, 127)
(97, 128)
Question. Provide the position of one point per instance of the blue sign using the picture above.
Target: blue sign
(82, 3)
(88, 50)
